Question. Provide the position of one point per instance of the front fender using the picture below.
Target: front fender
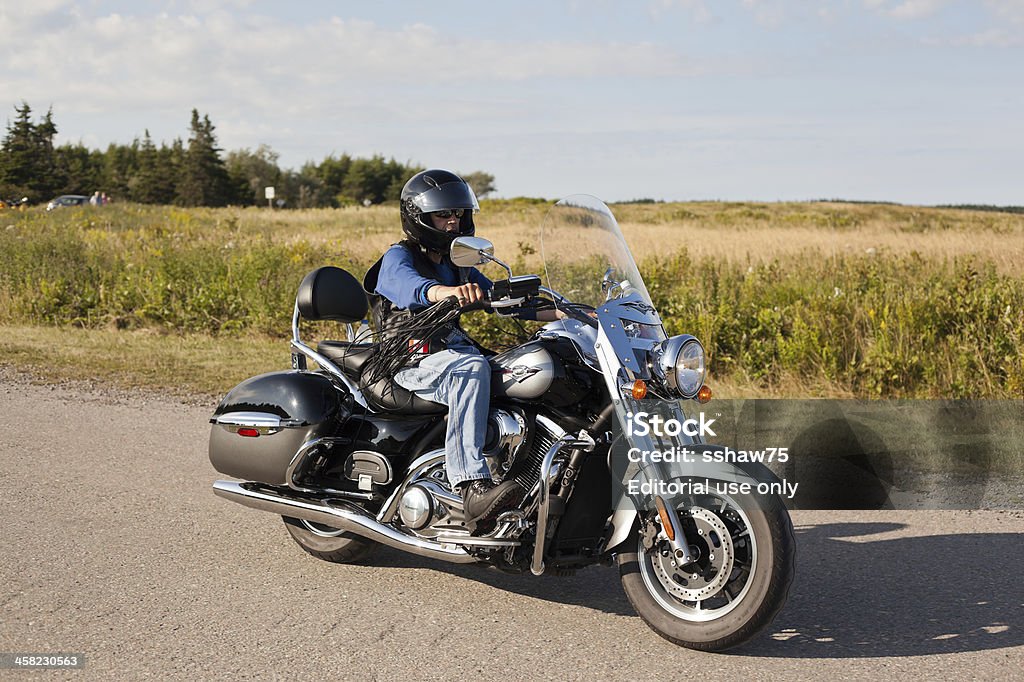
(622, 522)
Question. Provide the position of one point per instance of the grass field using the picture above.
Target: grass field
(792, 299)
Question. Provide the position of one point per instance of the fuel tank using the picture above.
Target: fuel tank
(548, 371)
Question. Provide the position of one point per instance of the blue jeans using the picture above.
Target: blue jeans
(462, 381)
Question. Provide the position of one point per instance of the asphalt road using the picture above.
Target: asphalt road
(114, 547)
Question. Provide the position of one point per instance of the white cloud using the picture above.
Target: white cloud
(995, 37)
(30, 11)
(770, 13)
(329, 80)
(1011, 11)
(906, 9)
(1001, 21)
(697, 9)
(176, 58)
(573, 106)
(256, 75)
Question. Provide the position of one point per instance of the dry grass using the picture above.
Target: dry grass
(201, 367)
(190, 366)
(233, 271)
(760, 245)
(736, 232)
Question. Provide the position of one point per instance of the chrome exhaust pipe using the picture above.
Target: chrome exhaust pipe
(337, 514)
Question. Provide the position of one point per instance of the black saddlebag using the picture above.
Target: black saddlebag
(261, 423)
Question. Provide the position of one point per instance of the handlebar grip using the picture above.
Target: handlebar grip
(482, 304)
(449, 303)
(455, 303)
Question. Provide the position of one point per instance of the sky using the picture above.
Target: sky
(912, 101)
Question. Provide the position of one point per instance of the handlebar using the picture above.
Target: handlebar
(522, 289)
(482, 304)
(579, 312)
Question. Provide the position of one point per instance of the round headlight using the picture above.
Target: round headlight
(682, 363)
(690, 369)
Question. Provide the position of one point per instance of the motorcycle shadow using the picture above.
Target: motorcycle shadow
(594, 587)
(916, 596)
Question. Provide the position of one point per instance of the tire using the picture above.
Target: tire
(758, 582)
(329, 544)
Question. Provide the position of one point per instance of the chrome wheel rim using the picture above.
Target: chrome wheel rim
(722, 582)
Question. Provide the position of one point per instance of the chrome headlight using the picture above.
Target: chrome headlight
(682, 364)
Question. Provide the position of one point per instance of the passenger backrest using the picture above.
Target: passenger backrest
(330, 293)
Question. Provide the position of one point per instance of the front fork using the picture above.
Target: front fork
(674, 530)
(617, 376)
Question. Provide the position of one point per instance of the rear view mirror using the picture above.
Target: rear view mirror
(468, 252)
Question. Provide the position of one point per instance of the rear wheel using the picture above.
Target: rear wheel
(744, 550)
(327, 543)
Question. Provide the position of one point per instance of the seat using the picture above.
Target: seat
(330, 293)
(349, 357)
(388, 396)
(385, 395)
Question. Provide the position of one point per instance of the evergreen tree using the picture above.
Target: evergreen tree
(145, 185)
(331, 172)
(374, 180)
(204, 179)
(399, 174)
(79, 169)
(252, 172)
(48, 180)
(172, 160)
(304, 189)
(27, 161)
(120, 167)
(194, 175)
(18, 155)
(154, 178)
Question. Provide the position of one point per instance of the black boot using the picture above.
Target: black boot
(482, 501)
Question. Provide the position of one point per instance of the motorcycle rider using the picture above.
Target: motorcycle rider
(436, 207)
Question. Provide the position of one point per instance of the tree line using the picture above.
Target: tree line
(195, 172)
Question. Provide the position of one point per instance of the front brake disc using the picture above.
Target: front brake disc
(711, 546)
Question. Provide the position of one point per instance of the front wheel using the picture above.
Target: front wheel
(745, 553)
(327, 543)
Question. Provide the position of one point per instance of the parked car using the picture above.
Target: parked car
(67, 200)
(14, 203)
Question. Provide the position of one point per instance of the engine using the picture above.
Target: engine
(506, 434)
(429, 507)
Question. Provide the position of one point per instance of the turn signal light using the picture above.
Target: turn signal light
(703, 395)
(248, 433)
(666, 522)
(639, 390)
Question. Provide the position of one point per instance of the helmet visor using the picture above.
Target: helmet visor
(447, 196)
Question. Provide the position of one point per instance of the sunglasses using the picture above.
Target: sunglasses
(448, 213)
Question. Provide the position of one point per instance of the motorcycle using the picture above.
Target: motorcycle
(351, 460)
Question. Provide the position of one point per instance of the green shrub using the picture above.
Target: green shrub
(879, 325)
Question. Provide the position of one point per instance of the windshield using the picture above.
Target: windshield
(585, 256)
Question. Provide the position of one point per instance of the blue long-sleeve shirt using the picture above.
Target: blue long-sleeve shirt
(399, 282)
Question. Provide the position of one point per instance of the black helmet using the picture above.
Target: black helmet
(436, 190)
